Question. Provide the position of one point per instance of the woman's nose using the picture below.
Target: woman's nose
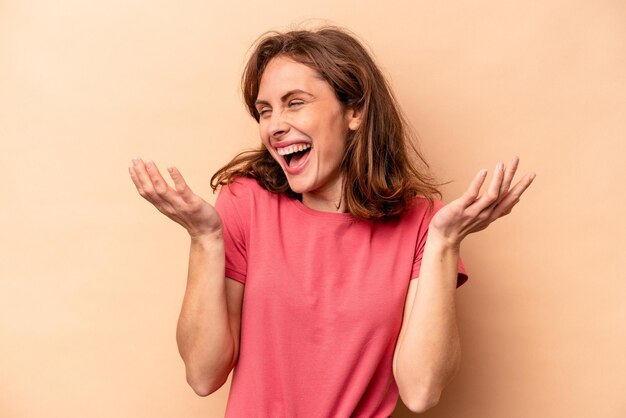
(278, 126)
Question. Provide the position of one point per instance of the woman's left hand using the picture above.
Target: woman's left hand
(471, 212)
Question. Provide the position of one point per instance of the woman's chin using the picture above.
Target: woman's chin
(297, 188)
(299, 184)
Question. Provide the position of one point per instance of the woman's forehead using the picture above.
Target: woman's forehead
(283, 74)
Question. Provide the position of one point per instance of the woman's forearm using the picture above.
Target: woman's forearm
(429, 353)
(203, 334)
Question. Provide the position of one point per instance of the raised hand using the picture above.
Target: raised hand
(472, 212)
(180, 204)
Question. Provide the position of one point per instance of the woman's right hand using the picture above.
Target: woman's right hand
(180, 204)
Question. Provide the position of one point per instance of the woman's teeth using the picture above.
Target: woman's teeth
(293, 148)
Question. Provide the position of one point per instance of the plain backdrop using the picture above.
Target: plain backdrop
(92, 276)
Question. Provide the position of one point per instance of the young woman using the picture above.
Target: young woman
(325, 275)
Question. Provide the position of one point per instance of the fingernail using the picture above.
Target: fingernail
(135, 161)
(149, 163)
(532, 176)
(500, 167)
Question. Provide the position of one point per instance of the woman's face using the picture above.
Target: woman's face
(298, 109)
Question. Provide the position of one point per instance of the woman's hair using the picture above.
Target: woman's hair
(380, 172)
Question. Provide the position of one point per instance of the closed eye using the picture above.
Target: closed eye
(293, 103)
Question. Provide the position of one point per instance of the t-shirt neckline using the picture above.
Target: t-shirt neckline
(338, 216)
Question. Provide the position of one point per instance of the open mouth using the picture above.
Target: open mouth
(296, 154)
(294, 158)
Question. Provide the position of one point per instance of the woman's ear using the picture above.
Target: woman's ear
(354, 118)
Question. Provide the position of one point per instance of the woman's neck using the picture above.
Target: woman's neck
(321, 204)
(325, 200)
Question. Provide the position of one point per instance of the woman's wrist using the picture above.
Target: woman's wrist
(442, 242)
(210, 237)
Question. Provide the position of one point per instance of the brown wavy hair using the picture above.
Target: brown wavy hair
(381, 166)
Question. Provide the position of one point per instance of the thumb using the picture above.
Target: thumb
(179, 182)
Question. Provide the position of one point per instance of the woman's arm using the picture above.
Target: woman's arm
(208, 340)
(208, 327)
(428, 350)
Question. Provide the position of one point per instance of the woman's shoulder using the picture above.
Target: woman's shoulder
(237, 197)
(424, 206)
(246, 192)
(421, 211)
(241, 184)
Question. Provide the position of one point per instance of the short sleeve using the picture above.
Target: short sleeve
(462, 275)
(231, 204)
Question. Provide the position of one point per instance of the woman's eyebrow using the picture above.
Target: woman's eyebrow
(285, 96)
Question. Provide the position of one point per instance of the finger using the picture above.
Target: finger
(470, 196)
(145, 183)
(509, 174)
(493, 192)
(513, 196)
(180, 184)
(161, 187)
(522, 185)
(135, 180)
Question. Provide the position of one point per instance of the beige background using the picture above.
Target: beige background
(92, 276)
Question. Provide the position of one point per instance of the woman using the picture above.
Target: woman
(348, 261)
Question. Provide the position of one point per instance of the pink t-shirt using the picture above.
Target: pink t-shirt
(322, 306)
